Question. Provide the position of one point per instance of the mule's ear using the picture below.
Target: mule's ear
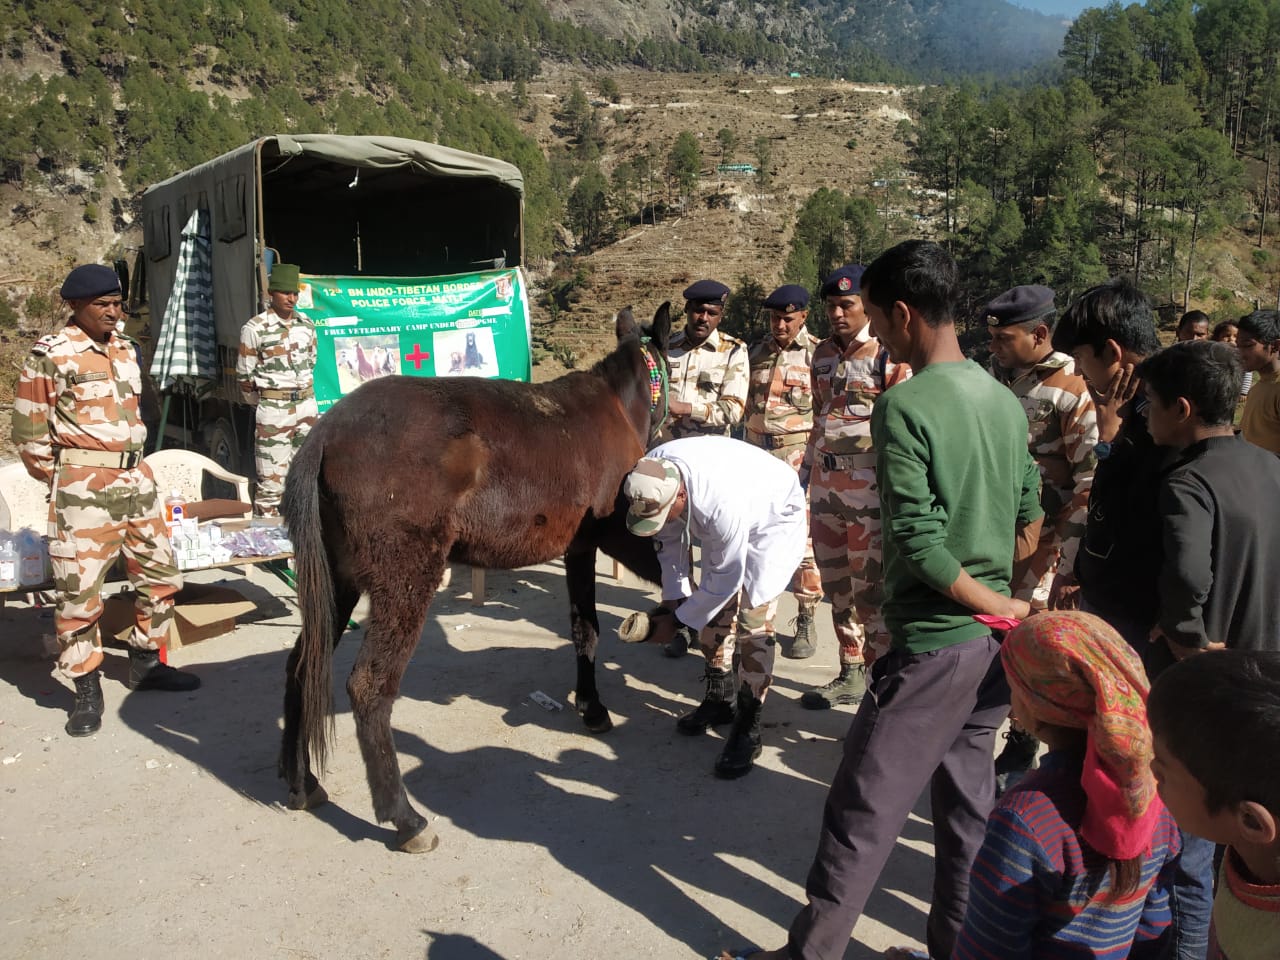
(660, 332)
(624, 324)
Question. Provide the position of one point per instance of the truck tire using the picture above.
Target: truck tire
(220, 441)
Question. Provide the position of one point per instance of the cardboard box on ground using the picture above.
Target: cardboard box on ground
(200, 611)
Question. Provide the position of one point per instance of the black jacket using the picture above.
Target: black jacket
(1221, 574)
(1118, 563)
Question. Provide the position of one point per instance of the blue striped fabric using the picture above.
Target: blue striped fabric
(1037, 891)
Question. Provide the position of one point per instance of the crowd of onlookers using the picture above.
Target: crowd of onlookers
(1077, 526)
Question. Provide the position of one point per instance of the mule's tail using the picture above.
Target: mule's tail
(314, 671)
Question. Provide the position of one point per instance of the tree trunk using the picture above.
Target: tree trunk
(1191, 256)
(1266, 194)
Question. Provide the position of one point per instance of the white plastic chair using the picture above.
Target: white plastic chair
(184, 471)
(24, 500)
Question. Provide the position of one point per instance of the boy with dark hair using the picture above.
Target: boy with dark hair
(1217, 581)
(1258, 340)
(1216, 726)
(1109, 330)
(958, 488)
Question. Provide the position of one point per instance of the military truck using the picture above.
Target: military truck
(344, 208)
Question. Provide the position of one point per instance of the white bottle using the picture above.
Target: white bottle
(31, 553)
(8, 563)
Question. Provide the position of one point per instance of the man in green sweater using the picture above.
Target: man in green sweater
(958, 489)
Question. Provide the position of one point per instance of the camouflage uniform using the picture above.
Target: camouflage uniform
(275, 368)
(749, 631)
(843, 500)
(779, 419)
(713, 378)
(1062, 430)
(77, 400)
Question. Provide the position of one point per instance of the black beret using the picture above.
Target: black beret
(88, 281)
(844, 282)
(1020, 305)
(706, 291)
(788, 298)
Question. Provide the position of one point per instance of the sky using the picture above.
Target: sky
(1065, 8)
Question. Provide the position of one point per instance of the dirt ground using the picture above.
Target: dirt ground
(164, 834)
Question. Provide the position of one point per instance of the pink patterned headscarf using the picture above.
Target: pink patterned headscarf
(1074, 671)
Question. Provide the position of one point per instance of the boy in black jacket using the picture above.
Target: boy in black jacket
(1109, 330)
(1221, 552)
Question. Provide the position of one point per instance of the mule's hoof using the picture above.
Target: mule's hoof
(424, 841)
(316, 798)
(597, 719)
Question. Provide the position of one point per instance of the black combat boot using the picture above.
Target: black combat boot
(146, 672)
(716, 707)
(1016, 759)
(805, 643)
(744, 745)
(848, 687)
(86, 716)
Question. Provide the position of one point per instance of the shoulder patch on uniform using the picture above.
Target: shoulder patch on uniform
(46, 343)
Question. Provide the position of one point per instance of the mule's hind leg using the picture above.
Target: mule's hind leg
(397, 611)
(580, 573)
(305, 791)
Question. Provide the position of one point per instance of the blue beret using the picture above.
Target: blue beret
(788, 298)
(89, 281)
(706, 291)
(844, 282)
(1020, 305)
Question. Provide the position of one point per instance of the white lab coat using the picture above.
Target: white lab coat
(747, 509)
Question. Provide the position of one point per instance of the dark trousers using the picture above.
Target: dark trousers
(928, 718)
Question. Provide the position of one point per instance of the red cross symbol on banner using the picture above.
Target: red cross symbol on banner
(417, 357)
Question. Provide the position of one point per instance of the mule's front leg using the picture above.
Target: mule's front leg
(580, 572)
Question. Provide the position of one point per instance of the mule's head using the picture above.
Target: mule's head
(646, 348)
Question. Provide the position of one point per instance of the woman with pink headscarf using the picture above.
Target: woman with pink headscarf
(1078, 855)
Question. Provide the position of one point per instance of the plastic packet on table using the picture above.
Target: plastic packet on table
(256, 542)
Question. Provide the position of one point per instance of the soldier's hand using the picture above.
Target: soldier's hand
(679, 408)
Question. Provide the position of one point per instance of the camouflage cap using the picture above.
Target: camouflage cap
(284, 278)
(651, 487)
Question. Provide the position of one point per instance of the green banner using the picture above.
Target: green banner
(474, 325)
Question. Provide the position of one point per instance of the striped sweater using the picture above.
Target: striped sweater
(1037, 891)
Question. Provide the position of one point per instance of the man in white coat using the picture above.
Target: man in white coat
(747, 510)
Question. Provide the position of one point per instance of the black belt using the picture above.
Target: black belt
(842, 461)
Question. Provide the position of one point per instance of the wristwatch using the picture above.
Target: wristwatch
(1102, 449)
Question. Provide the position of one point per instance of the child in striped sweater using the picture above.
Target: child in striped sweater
(1079, 854)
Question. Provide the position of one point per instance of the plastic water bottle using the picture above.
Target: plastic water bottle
(175, 508)
(31, 554)
(8, 562)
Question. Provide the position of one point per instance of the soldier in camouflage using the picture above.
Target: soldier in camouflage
(1062, 430)
(779, 419)
(708, 368)
(275, 368)
(77, 427)
(850, 370)
(752, 538)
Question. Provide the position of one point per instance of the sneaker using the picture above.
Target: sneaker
(848, 687)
